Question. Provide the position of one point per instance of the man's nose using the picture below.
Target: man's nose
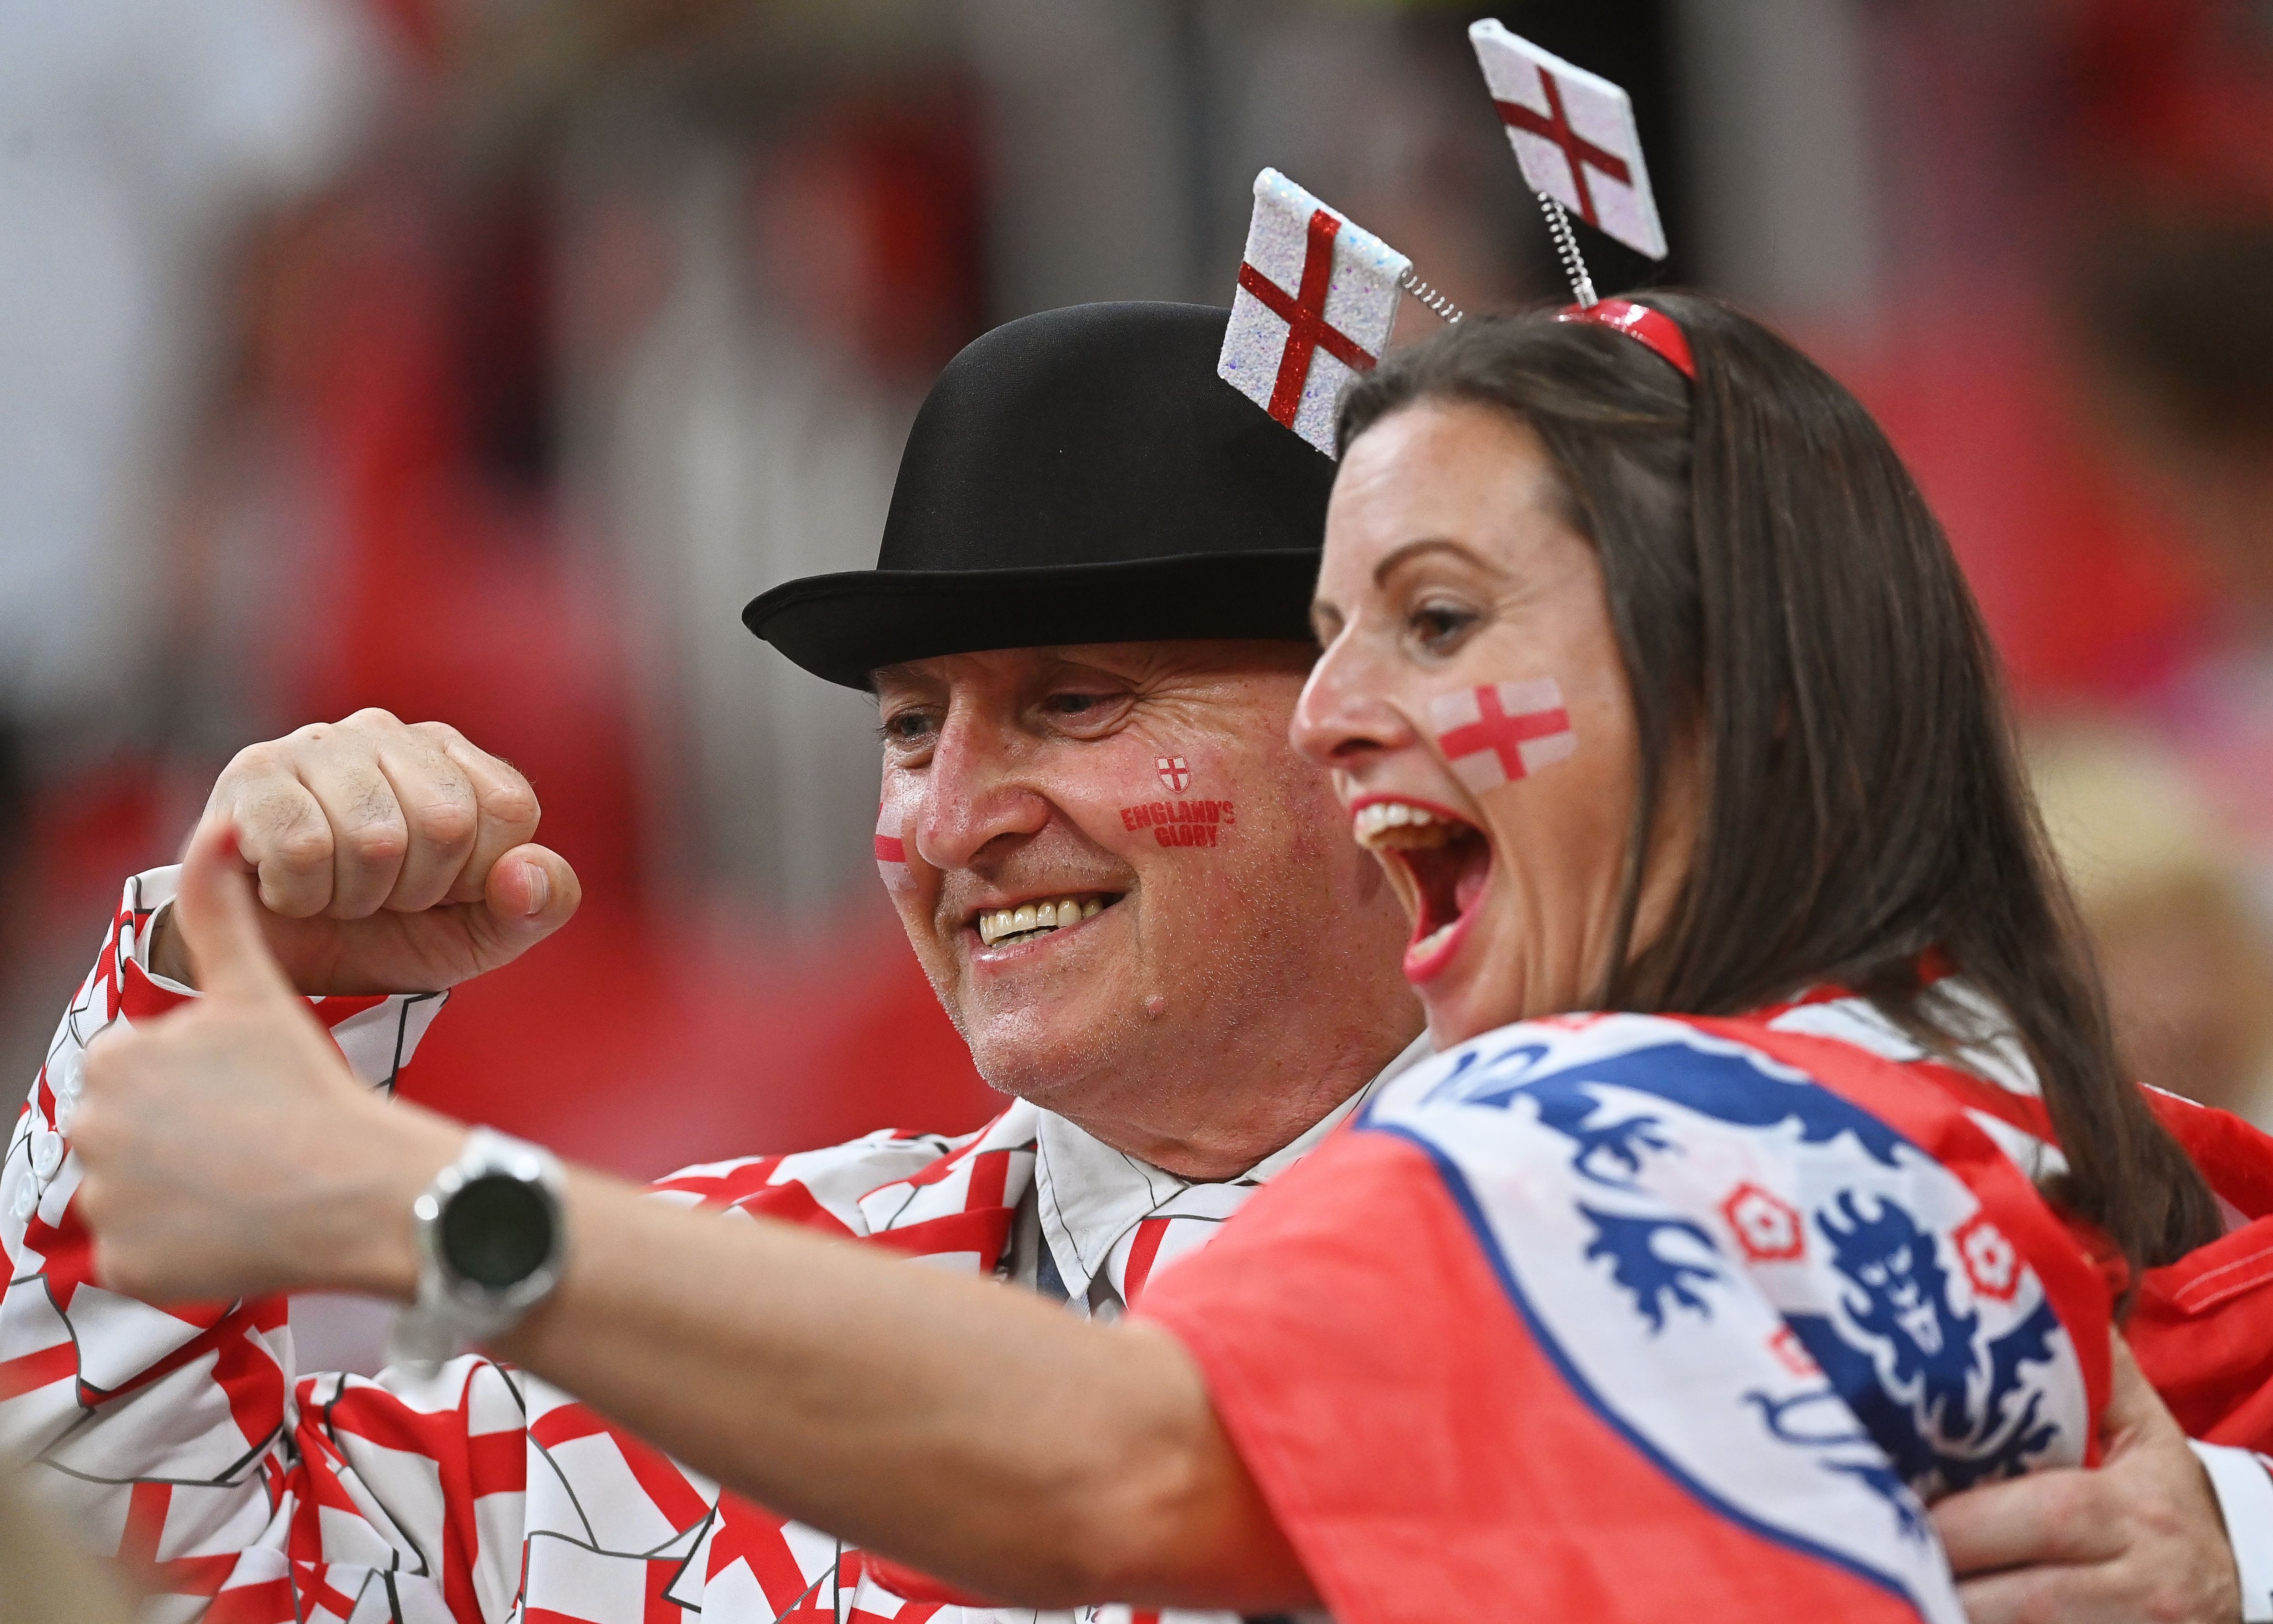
(979, 792)
(1344, 713)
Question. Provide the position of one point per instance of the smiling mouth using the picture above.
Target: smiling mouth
(1029, 922)
(1445, 862)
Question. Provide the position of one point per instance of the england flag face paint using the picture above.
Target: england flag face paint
(891, 849)
(1191, 822)
(1497, 732)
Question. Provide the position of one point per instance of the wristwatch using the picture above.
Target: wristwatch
(491, 1245)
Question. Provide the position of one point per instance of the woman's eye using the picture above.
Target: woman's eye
(1440, 625)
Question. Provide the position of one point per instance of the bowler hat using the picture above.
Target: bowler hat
(1079, 475)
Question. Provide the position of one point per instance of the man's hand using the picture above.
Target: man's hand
(225, 1147)
(392, 857)
(2139, 1541)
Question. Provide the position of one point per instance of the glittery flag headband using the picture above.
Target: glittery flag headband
(1317, 295)
(1575, 139)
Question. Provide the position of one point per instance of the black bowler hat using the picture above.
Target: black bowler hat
(1081, 476)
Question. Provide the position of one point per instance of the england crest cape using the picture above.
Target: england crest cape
(1636, 1318)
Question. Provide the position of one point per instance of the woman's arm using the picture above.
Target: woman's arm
(967, 1428)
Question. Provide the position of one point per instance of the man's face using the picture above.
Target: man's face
(1202, 890)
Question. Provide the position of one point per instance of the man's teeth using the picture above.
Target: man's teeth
(1397, 823)
(1037, 918)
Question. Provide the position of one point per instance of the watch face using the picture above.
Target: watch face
(495, 1231)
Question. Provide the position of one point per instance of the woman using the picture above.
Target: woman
(1776, 790)
(1654, 693)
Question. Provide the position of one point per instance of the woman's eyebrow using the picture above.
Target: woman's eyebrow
(1426, 544)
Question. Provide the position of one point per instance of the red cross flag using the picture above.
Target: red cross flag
(891, 849)
(1174, 776)
(1502, 732)
(1573, 133)
(1316, 297)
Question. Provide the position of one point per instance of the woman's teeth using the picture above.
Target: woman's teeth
(1029, 920)
(1396, 822)
(1431, 942)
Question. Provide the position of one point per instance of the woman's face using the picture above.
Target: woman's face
(1473, 709)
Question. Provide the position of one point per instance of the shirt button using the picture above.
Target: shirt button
(47, 1153)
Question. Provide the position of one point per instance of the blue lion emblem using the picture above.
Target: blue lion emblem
(1647, 1274)
(1949, 1407)
(1946, 1406)
(1726, 1087)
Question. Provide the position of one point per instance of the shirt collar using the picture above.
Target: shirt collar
(1088, 1195)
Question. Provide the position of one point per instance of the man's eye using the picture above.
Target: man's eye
(1074, 704)
(906, 727)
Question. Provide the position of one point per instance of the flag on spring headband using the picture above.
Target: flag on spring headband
(1317, 299)
(1574, 136)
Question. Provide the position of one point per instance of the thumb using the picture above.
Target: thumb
(529, 892)
(219, 922)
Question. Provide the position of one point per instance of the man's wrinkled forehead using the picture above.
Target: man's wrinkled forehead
(1134, 664)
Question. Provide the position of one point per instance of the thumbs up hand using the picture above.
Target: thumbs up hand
(392, 857)
(225, 1149)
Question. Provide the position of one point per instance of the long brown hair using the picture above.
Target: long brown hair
(1781, 593)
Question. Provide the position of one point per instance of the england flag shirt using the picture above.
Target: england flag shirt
(185, 1442)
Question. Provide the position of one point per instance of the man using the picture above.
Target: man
(1164, 1023)
(1082, 477)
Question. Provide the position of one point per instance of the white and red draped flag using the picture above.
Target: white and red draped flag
(1317, 299)
(1574, 136)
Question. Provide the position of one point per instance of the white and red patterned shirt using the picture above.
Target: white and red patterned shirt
(185, 1442)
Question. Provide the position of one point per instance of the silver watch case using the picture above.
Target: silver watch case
(451, 1313)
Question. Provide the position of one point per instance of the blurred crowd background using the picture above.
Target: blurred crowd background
(478, 359)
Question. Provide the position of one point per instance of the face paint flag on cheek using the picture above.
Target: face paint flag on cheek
(1501, 732)
(891, 849)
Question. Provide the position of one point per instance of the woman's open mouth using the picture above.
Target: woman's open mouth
(1443, 861)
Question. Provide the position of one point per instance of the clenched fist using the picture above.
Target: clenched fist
(392, 857)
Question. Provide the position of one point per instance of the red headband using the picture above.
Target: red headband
(1655, 328)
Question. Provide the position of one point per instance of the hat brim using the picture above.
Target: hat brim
(842, 626)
